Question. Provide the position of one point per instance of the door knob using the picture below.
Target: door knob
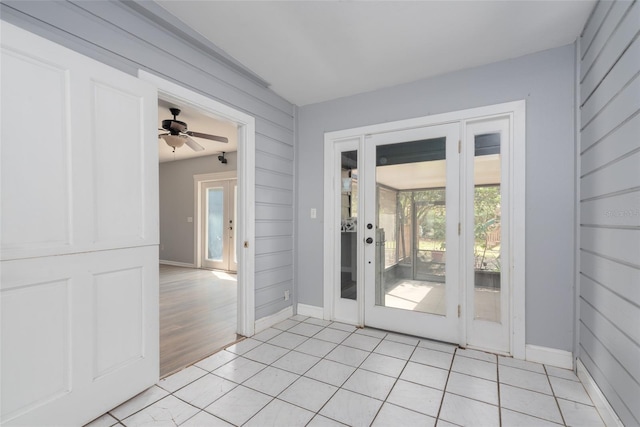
(369, 240)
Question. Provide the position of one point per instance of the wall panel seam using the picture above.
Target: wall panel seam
(612, 227)
(588, 23)
(616, 260)
(616, 95)
(622, 297)
(612, 162)
(605, 136)
(597, 57)
(283, 174)
(612, 194)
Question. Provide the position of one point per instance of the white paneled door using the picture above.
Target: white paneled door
(79, 234)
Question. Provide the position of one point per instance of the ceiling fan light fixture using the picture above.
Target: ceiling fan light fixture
(174, 141)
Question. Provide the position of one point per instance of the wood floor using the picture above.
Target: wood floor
(198, 312)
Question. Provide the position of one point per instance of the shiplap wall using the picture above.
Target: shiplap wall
(130, 39)
(609, 326)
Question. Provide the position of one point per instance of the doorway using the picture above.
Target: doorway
(427, 213)
(241, 284)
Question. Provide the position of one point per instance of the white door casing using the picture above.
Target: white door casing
(79, 257)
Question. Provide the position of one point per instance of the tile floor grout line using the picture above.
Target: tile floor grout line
(498, 386)
(444, 391)
(555, 398)
(395, 382)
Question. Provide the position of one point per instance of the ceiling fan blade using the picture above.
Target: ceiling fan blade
(193, 145)
(207, 136)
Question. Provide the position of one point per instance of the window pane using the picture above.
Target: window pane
(348, 229)
(487, 229)
(215, 224)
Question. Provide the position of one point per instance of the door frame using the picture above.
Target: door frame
(516, 110)
(246, 188)
(198, 182)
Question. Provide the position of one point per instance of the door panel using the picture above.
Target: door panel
(79, 288)
(412, 191)
(218, 223)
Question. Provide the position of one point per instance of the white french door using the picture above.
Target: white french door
(218, 223)
(79, 266)
(424, 230)
(410, 239)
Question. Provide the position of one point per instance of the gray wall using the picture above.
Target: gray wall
(177, 202)
(609, 326)
(546, 81)
(128, 39)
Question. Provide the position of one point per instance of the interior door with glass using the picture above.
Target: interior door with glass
(218, 225)
(411, 225)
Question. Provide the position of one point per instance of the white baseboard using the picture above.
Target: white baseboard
(601, 403)
(549, 356)
(268, 321)
(311, 311)
(177, 264)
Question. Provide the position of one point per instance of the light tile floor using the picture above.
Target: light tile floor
(310, 372)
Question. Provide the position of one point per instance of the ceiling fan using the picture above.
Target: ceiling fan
(177, 133)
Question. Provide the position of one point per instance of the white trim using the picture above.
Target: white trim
(601, 403)
(310, 310)
(268, 321)
(215, 176)
(518, 170)
(549, 356)
(176, 263)
(246, 192)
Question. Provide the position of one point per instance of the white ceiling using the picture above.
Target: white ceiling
(197, 122)
(313, 51)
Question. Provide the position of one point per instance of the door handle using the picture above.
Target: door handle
(369, 240)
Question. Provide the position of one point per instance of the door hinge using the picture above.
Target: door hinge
(458, 310)
(459, 228)
(459, 146)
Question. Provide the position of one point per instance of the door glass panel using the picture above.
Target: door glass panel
(215, 223)
(348, 224)
(487, 230)
(411, 224)
(235, 224)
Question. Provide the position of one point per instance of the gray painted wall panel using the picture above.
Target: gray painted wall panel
(615, 309)
(620, 244)
(273, 228)
(119, 36)
(275, 260)
(612, 211)
(610, 393)
(620, 278)
(614, 16)
(274, 244)
(628, 390)
(275, 163)
(273, 195)
(612, 51)
(618, 176)
(593, 24)
(619, 76)
(273, 276)
(623, 106)
(612, 338)
(546, 81)
(622, 141)
(609, 331)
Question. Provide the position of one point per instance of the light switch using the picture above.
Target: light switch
(189, 219)
(314, 213)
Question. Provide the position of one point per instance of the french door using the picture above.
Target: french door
(411, 212)
(425, 220)
(218, 224)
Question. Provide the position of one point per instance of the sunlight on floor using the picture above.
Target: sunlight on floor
(225, 276)
(407, 295)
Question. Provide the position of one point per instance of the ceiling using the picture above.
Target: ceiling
(197, 122)
(313, 51)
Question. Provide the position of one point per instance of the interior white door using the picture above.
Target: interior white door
(218, 224)
(79, 243)
(411, 242)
